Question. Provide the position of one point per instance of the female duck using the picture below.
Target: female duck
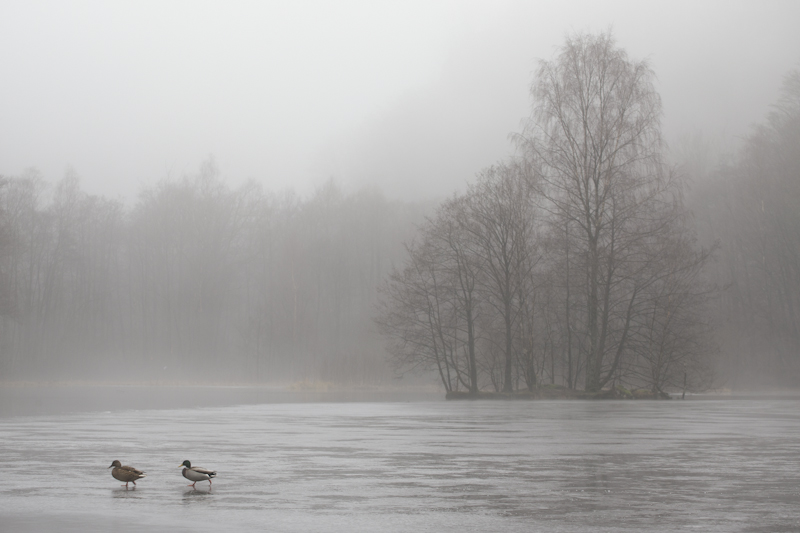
(128, 474)
(195, 473)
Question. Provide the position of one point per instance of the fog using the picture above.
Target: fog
(253, 192)
(282, 240)
(415, 97)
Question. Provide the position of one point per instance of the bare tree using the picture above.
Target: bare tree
(501, 221)
(595, 134)
(465, 265)
(671, 338)
(417, 313)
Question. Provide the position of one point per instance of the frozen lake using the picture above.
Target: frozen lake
(696, 465)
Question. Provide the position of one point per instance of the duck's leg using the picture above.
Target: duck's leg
(192, 485)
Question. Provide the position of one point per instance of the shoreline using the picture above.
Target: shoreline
(562, 393)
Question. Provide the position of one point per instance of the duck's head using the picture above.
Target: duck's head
(186, 463)
(116, 463)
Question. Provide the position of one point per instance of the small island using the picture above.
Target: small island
(560, 392)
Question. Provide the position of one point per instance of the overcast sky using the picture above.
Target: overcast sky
(414, 96)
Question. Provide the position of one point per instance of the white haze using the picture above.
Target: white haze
(414, 96)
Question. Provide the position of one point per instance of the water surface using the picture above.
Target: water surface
(717, 465)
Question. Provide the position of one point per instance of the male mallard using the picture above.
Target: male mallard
(195, 473)
(128, 474)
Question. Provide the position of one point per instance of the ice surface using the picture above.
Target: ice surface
(726, 465)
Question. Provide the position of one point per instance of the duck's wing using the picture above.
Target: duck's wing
(197, 474)
(125, 475)
(133, 471)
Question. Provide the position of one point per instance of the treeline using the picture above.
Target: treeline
(584, 261)
(196, 282)
(750, 206)
(573, 264)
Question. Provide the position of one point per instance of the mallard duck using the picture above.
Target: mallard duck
(195, 473)
(128, 474)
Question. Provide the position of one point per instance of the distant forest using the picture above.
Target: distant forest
(195, 283)
(594, 257)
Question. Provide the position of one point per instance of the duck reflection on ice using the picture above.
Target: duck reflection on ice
(195, 495)
(128, 493)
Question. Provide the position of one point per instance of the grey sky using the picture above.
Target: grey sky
(414, 96)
